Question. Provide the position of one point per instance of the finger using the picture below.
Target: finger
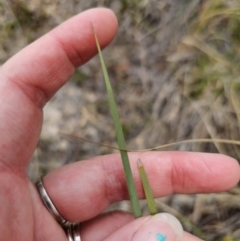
(44, 66)
(161, 227)
(124, 227)
(104, 225)
(31, 77)
(82, 190)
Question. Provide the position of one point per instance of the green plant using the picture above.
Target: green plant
(120, 138)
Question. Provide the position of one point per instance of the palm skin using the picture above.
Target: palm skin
(28, 81)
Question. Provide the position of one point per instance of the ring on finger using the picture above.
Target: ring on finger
(72, 229)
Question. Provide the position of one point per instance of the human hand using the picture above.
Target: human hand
(82, 190)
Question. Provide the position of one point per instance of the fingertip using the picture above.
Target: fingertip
(223, 172)
(106, 28)
(204, 172)
(78, 40)
(230, 171)
(108, 14)
(160, 227)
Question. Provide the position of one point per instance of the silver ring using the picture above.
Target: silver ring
(72, 229)
(48, 202)
(73, 232)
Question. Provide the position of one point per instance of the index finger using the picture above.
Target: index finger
(82, 190)
(31, 77)
(45, 65)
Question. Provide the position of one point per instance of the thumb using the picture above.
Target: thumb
(161, 227)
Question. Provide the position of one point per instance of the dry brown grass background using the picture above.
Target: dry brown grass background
(175, 72)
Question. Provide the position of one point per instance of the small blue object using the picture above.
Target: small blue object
(160, 237)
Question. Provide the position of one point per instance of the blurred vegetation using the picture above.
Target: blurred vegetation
(174, 71)
(215, 33)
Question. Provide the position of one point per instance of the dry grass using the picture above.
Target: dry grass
(176, 77)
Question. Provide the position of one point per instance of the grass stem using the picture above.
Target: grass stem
(147, 189)
(120, 138)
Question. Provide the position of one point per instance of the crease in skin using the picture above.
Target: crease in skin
(75, 61)
(38, 95)
(5, 167)
(112, 177)
(34, 93)
(19, 83)
(53, 73)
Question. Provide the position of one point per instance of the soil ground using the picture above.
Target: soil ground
(173, 66)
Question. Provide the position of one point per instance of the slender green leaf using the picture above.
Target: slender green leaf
(195, 230)
(120, 137)
(147, 189)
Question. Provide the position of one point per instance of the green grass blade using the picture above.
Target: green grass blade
(147, 190)
(186, 223)
(120, 138)
(195, 230)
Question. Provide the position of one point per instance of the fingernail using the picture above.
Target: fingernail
(160, 227)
